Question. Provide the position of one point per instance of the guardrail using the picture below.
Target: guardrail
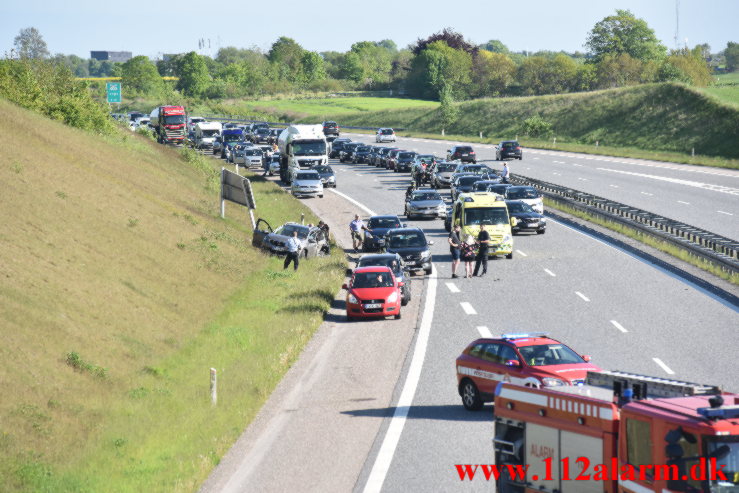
(237, 118)
(717, 249)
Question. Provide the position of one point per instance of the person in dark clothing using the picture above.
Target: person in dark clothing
(409, 191)
(455, 246)
(324, 231)
(483, 240)
(419, 178)
(293, 251)
(468, 254)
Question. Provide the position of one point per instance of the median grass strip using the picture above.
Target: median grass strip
(122, 288)
(635, 234)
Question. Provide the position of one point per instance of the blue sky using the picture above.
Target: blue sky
(153, 27)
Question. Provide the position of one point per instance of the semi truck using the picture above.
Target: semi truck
(169, 124)
(301, 146)
(620, 432)
(233, 134)
(206, 133)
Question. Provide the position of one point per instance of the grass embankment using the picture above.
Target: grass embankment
(653, 121)
(725, 88)
(121, 289)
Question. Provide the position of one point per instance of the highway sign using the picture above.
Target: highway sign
(113, 90)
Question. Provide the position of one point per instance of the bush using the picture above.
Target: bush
(536, 126)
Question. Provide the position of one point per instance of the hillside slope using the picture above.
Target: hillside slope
(120, 288)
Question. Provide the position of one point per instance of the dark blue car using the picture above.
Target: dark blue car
(378, 226)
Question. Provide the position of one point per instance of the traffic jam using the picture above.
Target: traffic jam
(557, 415)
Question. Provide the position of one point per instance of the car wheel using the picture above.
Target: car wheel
(405, 300)
(509, 256)
(541, 231)
(428, 271)
(320, 196)
(520, 157)
(397, 317)
(349, 318)
(471, 399)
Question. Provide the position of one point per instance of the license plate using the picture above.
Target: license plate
(465, 155)
(531, 225)
(380, 242)
(370, 306)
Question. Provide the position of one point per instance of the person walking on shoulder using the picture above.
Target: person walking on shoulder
(356, 227)
(455, 248)
(293, 251)
(483, 240)
(468, 254)
(506, 173)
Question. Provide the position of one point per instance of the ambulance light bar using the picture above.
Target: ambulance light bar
(524, 336)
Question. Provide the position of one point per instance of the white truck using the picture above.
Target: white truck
(301, 147)
(206, 133)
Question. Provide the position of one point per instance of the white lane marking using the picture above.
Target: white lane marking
(619, 326)
(452, 287)
(727, 213)
(583, 179)
(578, 165)
(484, 332)
(550, 272)
(585, 298)
(521, 253)
(683, 202)
(663, 366)
(536, 158)
(613, 186)
(467, 308)
(558, 174)
(679, 181)
(397, 422)
(358, 174)
(647, 193)
(361, 206)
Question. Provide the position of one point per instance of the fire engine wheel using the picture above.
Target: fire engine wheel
(471, 396)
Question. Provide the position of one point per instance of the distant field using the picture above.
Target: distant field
(726, 88)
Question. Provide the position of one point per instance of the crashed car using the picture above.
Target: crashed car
(313, 239)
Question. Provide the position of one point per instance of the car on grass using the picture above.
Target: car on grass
(395, 263)
(425, 202)
(313, 239)
(527, 194)
(385, 135)
(527, 219)
(412, 246)
(307, 183)
(336, 147)
(326, 172)
(442, 175)
(378, 226)
(373, 292)
(508, 149)
(532, 359)
(463, 153)
(404, 161)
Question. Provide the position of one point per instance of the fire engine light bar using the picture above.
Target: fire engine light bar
(727, 412)
(523, 336)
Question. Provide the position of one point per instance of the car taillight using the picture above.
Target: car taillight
(518, 148)
(472, 152)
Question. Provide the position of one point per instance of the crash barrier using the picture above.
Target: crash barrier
(241, 119)
(717, 249)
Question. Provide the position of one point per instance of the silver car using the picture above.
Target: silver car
(425, 203)
(307, 183)
(385, 135)
(442, 177)
(253, 157)
(314, 241)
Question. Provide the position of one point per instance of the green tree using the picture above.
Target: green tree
(492, 73)
(495, 46)
(287, 56)
(623, 33)
(439, 67)
(449, 113)
(731, 54)
(542, 75)
(30, 44)
(194, 75)
(313, 68)
(687, 66)
(140, 75)
(619, 70)
(368, 63)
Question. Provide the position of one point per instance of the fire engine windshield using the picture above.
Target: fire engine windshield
(309, 148)
(174, 119)
(549, 354)
(729, 461)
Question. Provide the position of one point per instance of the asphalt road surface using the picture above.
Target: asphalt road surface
(701, 196)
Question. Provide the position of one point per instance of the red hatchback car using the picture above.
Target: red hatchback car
(373, 292)
(526, 359)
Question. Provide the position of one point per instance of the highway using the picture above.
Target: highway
(701, 196)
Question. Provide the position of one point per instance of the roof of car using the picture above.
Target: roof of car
(385, 216)
(519, 339)
(406, 229)
(373, 268)
(372, 256)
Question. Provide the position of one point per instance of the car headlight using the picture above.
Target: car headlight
(425, 254)
(353, 299)
(507, 238)
(331, 178)
(551, 382)
(542, 220)
(367, 234)
(393, 297)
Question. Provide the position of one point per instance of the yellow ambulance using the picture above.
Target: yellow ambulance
(475, 208)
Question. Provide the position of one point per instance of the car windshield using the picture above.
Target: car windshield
(174, 119)
(403, 240)
(380, 262)
(499, 189)
(387, 131)
(730, 462)
(309, 147)
(383, 222)
(308, 176)
(464, 149)
(426, 157)
(323, 169)
(485, 215)
(508, 145)
(549, 354)
(445, 168)
(232, 137)
(405, 155)
(482, 186)
(209, 133)
(519, 207)
(478, 170)
(363, 149)
(523, 193)
(253, 152)
(262, 130)
(372, 280)
(425, 196)
(467, 180)
(287, 230)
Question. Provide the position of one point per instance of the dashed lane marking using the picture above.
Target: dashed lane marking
(521, 253)
(584, 298)
(663, 366)
(683, 202)
(467, 308)
(550, 272)
(484, 332)
(724, 212)
(452, 287)
(619, 326)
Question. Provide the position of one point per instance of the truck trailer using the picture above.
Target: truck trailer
(301, 146)
(169, 124)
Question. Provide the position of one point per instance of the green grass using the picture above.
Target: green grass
(725, 88)
(123, 287)
(647, 239)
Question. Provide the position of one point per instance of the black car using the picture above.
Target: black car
(500, 188)
(412, 246)
(261, 135)
(380, 156)
(508, 149)
(395, 263)
(461, 153)
(464, 184)
(274, 134)
(527, 219)
(404, 161)
(336, 147)
(328, 177)
(330, 130)
(378, 226)
(360, 154)
(347, 151)
(483, 185)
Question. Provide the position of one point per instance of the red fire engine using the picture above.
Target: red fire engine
(620, 432)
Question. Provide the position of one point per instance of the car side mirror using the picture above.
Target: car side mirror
(513, 363)
(405, 225)
(344, 286)
(431, 242)
(401, 284)
(586, 357)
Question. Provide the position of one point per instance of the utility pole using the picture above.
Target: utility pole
(677, 24)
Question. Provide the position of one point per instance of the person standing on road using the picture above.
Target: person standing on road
(483, 240)
(506, 173)
(356, 227)
(468, 254)
(293, 251)
(455, 248)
